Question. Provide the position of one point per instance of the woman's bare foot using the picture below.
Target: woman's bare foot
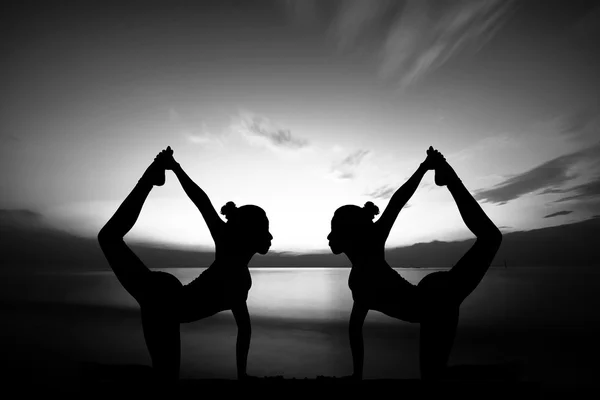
(166, 156)
(444, 174)
(155, 173)
(246, 377)
(352, 377)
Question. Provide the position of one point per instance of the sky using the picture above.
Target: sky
(300, 107)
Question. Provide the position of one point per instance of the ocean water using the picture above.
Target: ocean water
(544, 318)
(536, 296)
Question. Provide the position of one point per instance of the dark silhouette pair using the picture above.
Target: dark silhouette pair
(165, 303)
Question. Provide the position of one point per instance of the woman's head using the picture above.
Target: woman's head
(351, 227)
(247, 227)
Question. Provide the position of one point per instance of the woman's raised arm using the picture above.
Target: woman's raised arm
(195, 193)
(403, 194)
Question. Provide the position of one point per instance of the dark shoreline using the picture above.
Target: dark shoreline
(47, 334)
(42, 364)
(100, 381)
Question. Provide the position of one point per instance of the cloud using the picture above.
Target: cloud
(495, 143)
(549, 176)
(556, 214)
(580, 123)
(202, 139)
(382, 192)
(551, 173)
(418, 44)
(174, 115)
(354, 20)
(410, 39)
(585, 191)
(346, 168)
(203, 136)
(355, 158)
(259, 130)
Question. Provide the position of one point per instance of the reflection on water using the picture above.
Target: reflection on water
(533, 295)
(546, 317)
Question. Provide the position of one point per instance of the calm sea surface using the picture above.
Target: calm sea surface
(549, 296)
(545, 318)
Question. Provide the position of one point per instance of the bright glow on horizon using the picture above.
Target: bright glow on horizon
(298, 223)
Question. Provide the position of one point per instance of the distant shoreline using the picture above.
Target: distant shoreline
(15, 272)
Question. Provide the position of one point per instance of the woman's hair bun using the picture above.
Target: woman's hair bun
(229, 209)
(371, 209)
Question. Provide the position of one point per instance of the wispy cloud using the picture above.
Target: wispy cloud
(548, 177)
(194, 134)
(347, 168)
(355, 20)
(576, 122)
(413, 38)
(484, 146)
(261, 131)
(581, 124)
(557, 214)
(585, 191)
(382, 192)
(551, 173)
(418, 44)
(203, 136)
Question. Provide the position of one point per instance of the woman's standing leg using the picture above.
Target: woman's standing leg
(160, 321)
(436, 335)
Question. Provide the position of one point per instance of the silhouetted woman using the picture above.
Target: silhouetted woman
(435, 301)
(164, 301)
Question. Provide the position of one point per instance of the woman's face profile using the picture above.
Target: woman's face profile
(262, 238)
(249, 232)
(336, 237)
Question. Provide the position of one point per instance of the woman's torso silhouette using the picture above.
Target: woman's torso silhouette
(225, 283)
(376, 285)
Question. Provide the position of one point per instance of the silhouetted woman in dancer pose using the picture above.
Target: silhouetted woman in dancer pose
(435, 301)
(164, 301)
